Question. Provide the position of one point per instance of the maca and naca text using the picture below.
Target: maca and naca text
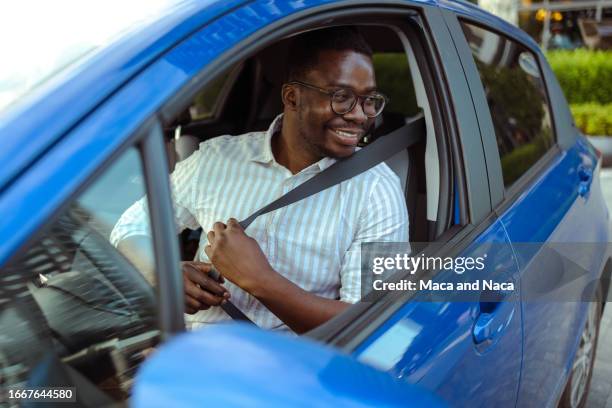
(477, 285)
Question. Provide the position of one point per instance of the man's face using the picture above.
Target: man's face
(323, 132)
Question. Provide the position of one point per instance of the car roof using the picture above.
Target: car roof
(33, 125)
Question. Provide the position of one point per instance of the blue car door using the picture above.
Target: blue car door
(541, 174)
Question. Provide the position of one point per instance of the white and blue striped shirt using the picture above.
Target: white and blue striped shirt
(315, 242)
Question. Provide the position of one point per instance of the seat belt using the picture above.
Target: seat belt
(364, 159)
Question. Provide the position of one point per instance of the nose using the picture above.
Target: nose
(357, 115)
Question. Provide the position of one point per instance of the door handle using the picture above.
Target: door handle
(493, 319)
(585, 176)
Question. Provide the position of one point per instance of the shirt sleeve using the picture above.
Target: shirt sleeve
(384, 218)
(135, 220)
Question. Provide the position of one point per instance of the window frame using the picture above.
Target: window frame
(148, 141)
(473, 194)
(502, 197)
(321, 15)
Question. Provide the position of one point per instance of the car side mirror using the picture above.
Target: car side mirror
(240, 365)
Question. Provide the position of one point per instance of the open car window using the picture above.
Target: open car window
(73, 310)
(248, 105)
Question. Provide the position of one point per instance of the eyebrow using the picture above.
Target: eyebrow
(343, 85)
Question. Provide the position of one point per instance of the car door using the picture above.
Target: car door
(75, 313)
(545, 196)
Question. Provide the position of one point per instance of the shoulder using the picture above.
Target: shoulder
(380, 177)
(380, 187)
(383, 171)
(246, 145)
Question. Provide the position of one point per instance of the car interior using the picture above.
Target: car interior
(246, 98)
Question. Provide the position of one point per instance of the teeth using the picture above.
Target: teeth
(345, 134)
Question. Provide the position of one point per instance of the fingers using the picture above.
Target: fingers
(199, 295)
(192, 305)
(208, 251)
(205, 268)
(200, 299)
(218, 227)
(202, 266)
(201, 291)
(233, 223)
(204, 281)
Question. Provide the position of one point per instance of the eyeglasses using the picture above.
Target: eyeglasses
(343, 100)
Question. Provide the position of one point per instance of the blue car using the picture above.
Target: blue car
(497, 170)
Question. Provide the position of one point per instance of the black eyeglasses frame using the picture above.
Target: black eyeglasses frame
(359, 98)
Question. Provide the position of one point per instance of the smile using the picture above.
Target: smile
(350, 137)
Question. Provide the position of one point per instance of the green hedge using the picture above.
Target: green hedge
(592, 118)
(517, 162)
(394, 80)
(585, 76)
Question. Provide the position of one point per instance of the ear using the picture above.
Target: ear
(289, 96)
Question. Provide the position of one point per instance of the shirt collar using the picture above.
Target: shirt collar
(265, 155)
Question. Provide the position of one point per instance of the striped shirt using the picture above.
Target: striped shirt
(314, 242)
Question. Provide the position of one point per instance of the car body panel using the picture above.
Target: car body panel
(551, 324)
(432, 344)
(196, 368)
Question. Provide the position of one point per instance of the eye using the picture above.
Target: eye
(371, 100)
(341, 95)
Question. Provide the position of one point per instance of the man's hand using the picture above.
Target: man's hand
(237, 256)
(201, 291)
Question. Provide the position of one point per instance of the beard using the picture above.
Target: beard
(317, 146)
(310, 145)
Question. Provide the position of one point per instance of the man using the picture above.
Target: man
(298, 266)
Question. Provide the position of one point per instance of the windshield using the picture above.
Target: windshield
(42, 38)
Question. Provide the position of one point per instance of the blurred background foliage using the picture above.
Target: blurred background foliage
(511, 89)
(586, 79)
(585, 76)
(593, 118)
(392, 70)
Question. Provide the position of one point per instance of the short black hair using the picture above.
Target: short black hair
(305, 48)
